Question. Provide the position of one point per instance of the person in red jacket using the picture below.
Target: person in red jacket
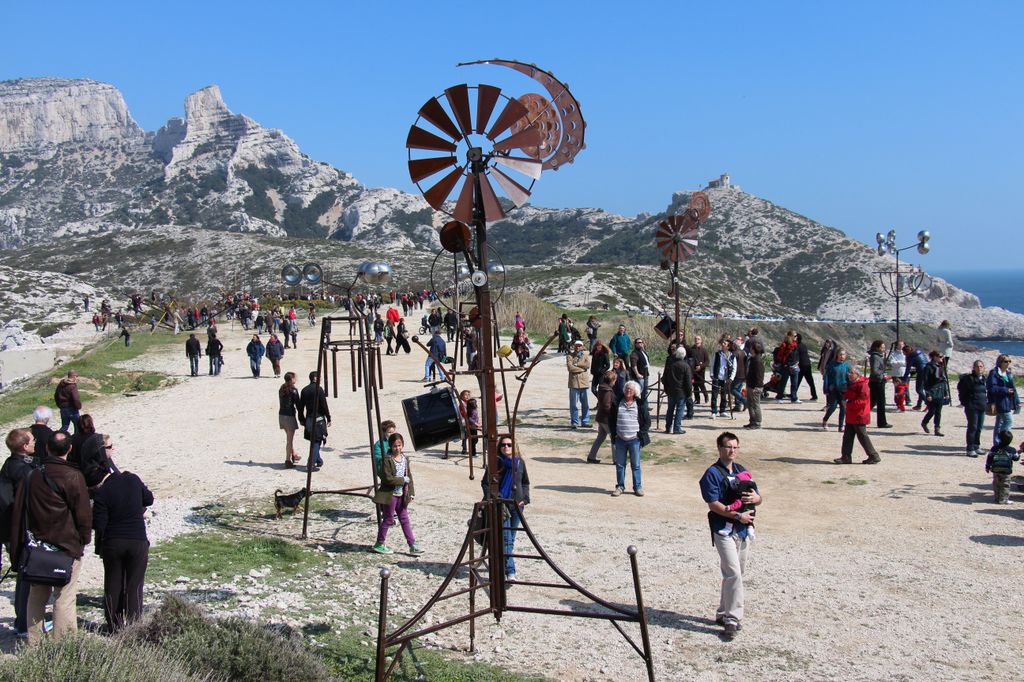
(858, 416)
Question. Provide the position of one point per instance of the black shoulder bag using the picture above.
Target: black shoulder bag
(41, 563)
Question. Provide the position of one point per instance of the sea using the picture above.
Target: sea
(1003, 288)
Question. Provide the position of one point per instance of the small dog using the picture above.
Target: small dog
(282, 502)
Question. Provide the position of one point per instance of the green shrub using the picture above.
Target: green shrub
(236, 649)
(85, 656)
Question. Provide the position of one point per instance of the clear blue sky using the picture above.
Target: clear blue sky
(862, 115)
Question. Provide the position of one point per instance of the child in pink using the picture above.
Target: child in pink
(739, 484)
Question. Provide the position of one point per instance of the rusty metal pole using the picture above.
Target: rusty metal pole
(334, 369)
(644, 635)
(489, 412)
(380, 671)
(321, 358)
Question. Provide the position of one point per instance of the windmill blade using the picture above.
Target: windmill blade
(464, 206)
(433, 112)
(512, 112)
(422, 168)
(458, 99)
(486, 98)
(529, 167)
(516, 192)
(422, 139)
(528, 137)
(492, 208)
(437, 194)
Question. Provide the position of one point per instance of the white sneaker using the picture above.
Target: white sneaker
(714, 415)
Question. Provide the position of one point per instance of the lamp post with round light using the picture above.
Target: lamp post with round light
(903, 280)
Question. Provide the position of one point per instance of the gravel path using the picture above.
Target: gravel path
(899, 571)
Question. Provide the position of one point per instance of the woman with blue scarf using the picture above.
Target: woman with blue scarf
(514, 485)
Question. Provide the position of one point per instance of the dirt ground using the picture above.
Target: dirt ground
(905, 570)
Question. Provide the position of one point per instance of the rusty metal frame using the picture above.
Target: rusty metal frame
(370, 378)
(403, 636)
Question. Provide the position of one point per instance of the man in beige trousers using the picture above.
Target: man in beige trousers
(60, 517)
(732, 530)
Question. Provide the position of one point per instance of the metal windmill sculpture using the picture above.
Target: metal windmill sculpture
(527, 135)
(676, 239)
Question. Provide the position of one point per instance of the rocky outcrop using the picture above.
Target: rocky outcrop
(40, 112)
(85, 172)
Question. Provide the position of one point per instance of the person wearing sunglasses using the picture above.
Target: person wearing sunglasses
(514, 486)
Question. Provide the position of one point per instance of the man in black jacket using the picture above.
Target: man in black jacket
(313, 401)
(678, 383)
(804, 363)
(41, 430)
(60, 517)
(192, 351)
(755, 384)
(15, 470)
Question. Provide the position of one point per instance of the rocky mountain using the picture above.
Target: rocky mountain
(86, 193)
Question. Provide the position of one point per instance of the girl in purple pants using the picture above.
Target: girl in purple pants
(395, 495)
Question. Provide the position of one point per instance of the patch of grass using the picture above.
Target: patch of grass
(347, 657)
(206, 552)
(99, 375)
(558, 442)
(856, 481)
(829, 482)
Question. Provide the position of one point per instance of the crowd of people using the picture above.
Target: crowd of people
(64, 488)
(60, 491)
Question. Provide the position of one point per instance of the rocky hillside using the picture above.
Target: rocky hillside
(213, 195)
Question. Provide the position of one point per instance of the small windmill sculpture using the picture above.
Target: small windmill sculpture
(676, 239)
(528, 135)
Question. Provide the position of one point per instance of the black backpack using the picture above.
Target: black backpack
(1002, 462)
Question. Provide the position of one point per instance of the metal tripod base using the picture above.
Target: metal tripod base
(480, 577)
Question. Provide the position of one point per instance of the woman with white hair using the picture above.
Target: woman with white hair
(629, 423)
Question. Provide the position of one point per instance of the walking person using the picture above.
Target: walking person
(396, 493)
(605, 399)
(513, 485)
(275, 351)
(973, 397)
(68, 402)
(313, 399)
(876, 381)
(255, 350)
(119, 503)
(834, 382)
(578, 362)
(214, 353)
(858, 416)
(731, 529)
(1003, 394)
(629, 424)
(288, 405)
(60, 515)
(916, 360)
(193, 352)
(935, 390)
(804, 367)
